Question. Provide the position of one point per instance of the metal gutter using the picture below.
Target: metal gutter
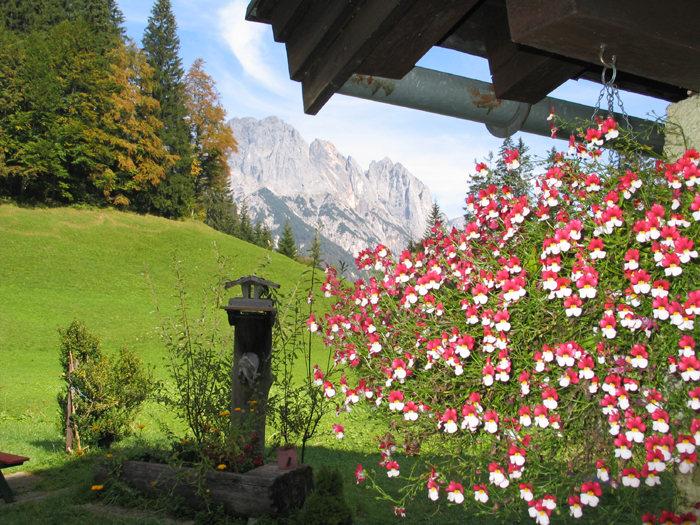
(470, 99)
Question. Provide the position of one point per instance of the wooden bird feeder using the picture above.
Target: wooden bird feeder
(253, 316)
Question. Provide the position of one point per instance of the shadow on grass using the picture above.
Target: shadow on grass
(53, 445)
(619, 506)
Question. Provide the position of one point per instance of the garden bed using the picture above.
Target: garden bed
(264, 490)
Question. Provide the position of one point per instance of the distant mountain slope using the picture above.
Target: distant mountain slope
(281, 176)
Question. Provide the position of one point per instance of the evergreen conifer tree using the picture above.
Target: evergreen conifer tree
(287, 245)
(262, 235)
(221, 212)
(245, 225)
(174, 197)
(435, 216)
(499, 175)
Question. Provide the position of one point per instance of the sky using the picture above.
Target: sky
(251, 74)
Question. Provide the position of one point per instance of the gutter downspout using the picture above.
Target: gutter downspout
(470, 99)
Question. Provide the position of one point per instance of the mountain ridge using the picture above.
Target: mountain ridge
(279, 174)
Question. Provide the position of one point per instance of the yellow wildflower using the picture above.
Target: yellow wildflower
(142, 426)
(109, 455)
(225, 413)
(96, 428)
(221, 467)
(253, 402)
(97, 487)
(237, 409)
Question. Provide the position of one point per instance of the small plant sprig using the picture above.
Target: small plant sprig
(199, 353)
(297, 406)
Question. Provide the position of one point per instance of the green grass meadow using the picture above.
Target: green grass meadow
(57, 265)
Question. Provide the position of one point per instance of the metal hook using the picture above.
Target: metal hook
(602, 59)
(607, 66)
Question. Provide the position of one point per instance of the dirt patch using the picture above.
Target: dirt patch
(24, 485)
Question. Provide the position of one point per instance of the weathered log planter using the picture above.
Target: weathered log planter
(264, 490)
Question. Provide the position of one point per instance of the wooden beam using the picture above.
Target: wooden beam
(529, 76)
(352, 44)
(315, 32)
(286, 16)
(651, 39)
(518, 72)
(424, 25)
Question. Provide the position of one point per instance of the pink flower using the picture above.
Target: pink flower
(608, 325)
(526, 492)
(399, 511)
(312, 324)
(392, 469)
(590, 493)
(449, 420)
(575, 508)
(525, 419)
(481, 493)
(359, 474)
(630, 477)
(318, 376)
(411, 411)
(328, 389)
(624, 447)
(596, 249)
(685, 444)
(541, 416)
(587, 286)
(603, 473)
(491, 421)
(339, 431)
(455, 493)
(690, 368)
(396, 400)
(573, 305)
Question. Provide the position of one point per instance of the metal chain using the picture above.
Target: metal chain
(610, 91)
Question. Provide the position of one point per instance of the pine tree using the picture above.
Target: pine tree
(436, 216)
(245, 225)
(221, 212)
(499, 175)
(261, 235)
(174, 197)
(287, 245)
(26, 16)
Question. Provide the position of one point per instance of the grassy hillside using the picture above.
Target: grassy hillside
(60, 264)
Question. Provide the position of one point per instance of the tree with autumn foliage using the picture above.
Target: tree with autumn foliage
(77, 124)
(212, 140)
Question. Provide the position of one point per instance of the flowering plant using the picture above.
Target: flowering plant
(544, 352)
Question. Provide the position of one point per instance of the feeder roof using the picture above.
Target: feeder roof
(251, 279)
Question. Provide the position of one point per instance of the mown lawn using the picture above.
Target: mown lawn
(61, 264)
(57, 265)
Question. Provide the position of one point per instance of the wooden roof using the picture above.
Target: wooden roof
(532, 46)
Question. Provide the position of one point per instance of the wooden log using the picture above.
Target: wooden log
(264, 490)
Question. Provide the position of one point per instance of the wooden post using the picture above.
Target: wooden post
(249, 401)
(251, 377)
(71, 431)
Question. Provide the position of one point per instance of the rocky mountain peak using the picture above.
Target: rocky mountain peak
(280, 175)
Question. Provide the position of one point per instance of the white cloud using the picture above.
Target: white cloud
(248, 42)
